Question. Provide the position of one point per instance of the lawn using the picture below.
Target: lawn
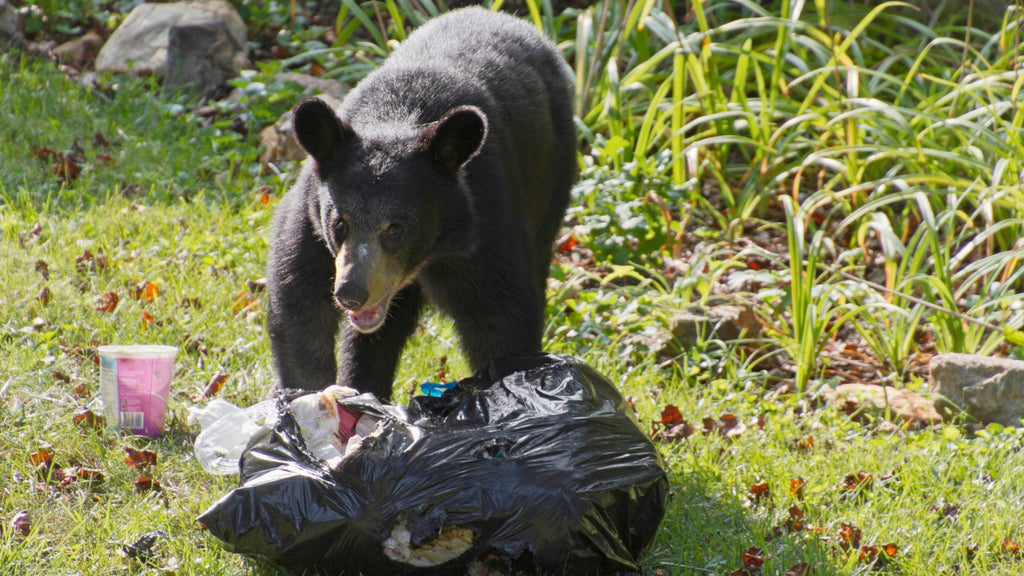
(772, 157)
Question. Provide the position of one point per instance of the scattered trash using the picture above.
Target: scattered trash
(142, 549)
(537, 462)
(226, 430)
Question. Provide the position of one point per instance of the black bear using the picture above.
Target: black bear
(443, 176)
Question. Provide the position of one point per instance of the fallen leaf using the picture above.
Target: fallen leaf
(1009, 546)
(46, 469)
(147, 484)
(675, 433)
(856, 480)
(139, 459)
(752, 558)
(89, 262)
(242, 302)
(90, 475)
(945, 509)
(191, 303)
(214, 385)
(147, 319)
(801, 569)
(40, 457)
(146, 291)
(849, 536)
(67, 480)
(43, 269)
(760, 493)
(568, 244)
(881, 554)
(795, 522)
(67, 165)
(33, 234)
(805, 444)
(88, 419)
(796, 487)
(264, 196)
(107, 302)
(671, 427)
(21, 523)
(44, 296)
(670, 415)
(195, 344)
(726, 425)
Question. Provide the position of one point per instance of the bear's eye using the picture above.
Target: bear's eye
(392, 236)
(394, 231)
(340, 231)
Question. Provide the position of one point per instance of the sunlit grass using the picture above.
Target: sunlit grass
(864, 141)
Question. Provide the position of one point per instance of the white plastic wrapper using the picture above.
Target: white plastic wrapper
(226, 431)
(331, 431)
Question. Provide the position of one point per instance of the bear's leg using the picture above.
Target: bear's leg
(302, 318)
(508, 322)
(371, 359)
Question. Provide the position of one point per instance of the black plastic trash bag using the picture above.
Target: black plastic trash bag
(534, 465)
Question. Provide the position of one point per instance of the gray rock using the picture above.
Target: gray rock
(895, 404)
(987, 389)
(201, 56)
(79, 51)
(313, 85)
(140, 43)
(10, 27)
(721, 322)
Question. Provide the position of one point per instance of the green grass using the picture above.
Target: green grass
(748, 154)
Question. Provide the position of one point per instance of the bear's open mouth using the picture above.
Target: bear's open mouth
(368, 320)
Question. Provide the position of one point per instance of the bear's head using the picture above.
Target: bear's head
(388, 199)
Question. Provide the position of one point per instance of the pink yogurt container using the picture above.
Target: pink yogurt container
(135, 382)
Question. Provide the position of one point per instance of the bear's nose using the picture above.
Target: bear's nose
(351, 297)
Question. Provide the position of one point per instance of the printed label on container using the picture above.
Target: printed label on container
(108, 390)
(135, 392)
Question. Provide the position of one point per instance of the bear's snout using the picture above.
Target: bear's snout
(351, 297)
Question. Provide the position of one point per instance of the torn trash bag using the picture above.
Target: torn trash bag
(535, 464)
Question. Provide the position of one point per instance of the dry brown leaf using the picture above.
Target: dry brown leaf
(21, 523)
(107, 302)
(139, 459)
(214, 386)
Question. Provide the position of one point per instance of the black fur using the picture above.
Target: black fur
(443, 177)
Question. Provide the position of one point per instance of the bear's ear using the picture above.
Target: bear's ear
(457, 137)
(318, 129)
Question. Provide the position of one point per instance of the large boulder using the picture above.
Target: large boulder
(140, 44)
(80, 51)
(897, 405)
(10, 26)
(724, 322)
(987, 389)
(201, 57)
